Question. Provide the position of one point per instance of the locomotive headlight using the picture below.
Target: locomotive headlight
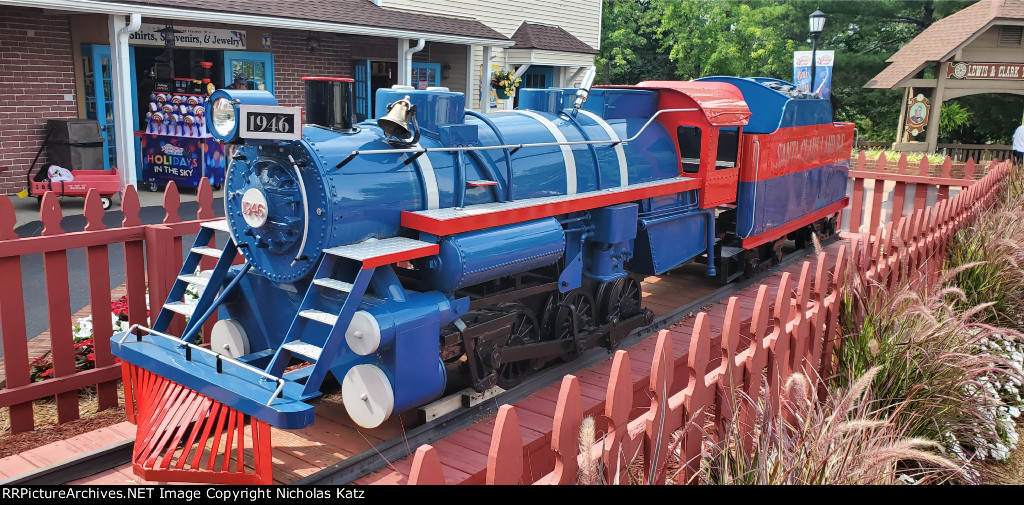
(225, 118)
(224, 113)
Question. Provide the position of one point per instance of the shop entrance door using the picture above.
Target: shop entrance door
(371, 76)
(538, 76)
(99, 95)
(258, 69)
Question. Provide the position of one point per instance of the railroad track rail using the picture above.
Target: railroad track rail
(373, 459)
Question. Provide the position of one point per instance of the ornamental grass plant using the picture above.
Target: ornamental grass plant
(941, 375)
(841, 440)
(989, 256)
(927, 375)
(927, 379)
(950, 354)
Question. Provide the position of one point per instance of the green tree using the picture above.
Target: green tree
(720, 37)
(630, 43)
(675, 39)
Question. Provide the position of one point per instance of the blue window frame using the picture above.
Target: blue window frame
(426, 74)
(98, 73)
(361, 74)
(258, 69)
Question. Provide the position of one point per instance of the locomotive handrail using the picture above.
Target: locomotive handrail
(514, 147)
(305, 210)
(220, 357)
(753, 201)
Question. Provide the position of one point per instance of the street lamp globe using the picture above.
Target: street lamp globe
(817, 19)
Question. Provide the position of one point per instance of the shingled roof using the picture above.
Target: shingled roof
(943, 38)
(343, 12)
(548, 37)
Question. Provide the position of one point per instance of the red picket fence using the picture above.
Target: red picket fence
(153, 257)
(796, 332)
(926, 183)
(764, 346)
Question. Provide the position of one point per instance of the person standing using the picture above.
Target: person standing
(240, 82)
(1018, 145)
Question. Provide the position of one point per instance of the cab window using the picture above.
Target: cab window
(689, 138)
(728, 146)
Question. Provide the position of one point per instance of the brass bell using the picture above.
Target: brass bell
(396, 122)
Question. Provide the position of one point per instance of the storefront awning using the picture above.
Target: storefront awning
(356, 17)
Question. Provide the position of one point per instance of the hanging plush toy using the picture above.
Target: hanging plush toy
(155, 120)
(167, 128)
(190, 127)
(176, 125)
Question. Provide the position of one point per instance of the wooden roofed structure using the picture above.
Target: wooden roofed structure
(974, 51)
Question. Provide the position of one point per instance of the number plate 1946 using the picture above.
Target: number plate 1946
(270, 122)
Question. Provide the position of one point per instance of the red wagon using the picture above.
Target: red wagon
(107, 182)
(77, 145)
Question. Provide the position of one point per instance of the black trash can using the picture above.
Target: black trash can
(75, 144)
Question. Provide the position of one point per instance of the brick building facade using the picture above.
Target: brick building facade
(37, 82)
(45, 55)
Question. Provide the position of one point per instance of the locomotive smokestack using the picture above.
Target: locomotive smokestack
(329, 102)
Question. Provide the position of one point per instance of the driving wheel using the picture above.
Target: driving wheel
(620, 299)
(578, 305)
(524, 331)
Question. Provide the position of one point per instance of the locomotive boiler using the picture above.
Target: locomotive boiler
(390, 254)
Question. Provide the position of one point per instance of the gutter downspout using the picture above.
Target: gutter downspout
(405, 70)
(121, 82)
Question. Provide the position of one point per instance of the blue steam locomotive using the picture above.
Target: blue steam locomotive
(390, 253)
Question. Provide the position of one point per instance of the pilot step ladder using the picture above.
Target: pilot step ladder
(187, 436)
(182, 435)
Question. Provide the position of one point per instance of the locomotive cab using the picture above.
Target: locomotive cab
(708, 137)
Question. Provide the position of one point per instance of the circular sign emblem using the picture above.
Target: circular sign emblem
(254, 208)
(960, 70)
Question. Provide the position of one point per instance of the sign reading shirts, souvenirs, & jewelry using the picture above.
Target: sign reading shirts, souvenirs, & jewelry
(189, 36)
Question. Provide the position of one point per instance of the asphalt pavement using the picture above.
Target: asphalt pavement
(33, 278)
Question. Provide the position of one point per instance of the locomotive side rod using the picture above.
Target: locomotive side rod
(514, 147)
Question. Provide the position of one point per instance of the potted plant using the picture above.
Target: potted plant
(504, 83)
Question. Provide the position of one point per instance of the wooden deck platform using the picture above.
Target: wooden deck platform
(334, 437)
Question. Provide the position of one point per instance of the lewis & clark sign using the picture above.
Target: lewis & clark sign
(1004, 71)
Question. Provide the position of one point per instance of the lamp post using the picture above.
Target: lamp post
(817, 19)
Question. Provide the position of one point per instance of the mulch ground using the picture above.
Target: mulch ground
(48, 431)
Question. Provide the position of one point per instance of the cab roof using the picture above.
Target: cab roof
(721, 103)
